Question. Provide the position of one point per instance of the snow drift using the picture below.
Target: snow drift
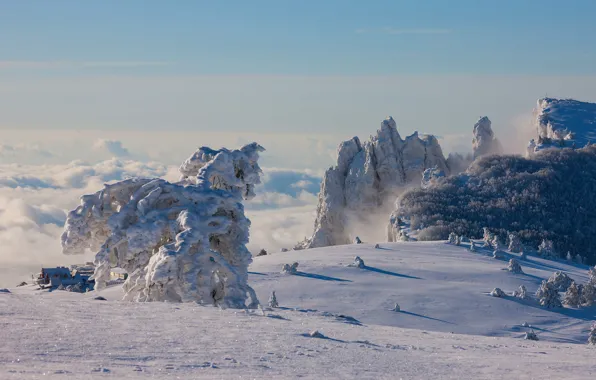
(183, 241)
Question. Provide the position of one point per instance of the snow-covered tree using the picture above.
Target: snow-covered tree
(396, 307)
(579, 259)
(357, 240)
(515, 244)
(592, 335)
(472, 246)
(548, 295)
(560, 280)
(487, 237)
(452, 238)
(569, 257)
(523, 255)
(273, 300)
(514, 266)
(262, 252)
(592, 275)
(497, 292)
(183, 241)
(572, 296)
(403, 235)
(546, 249)
(521, 293)
(588, 294)
(458, 240)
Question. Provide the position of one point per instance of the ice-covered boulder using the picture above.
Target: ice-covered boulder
(183, 241)
(367, 177)
(563, 123)
(484, 141)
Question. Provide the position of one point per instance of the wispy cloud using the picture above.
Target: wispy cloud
(396, 31)
(78, 64)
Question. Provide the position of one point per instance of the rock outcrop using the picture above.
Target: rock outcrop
(367, 178)
(563, 123)
(484, 141)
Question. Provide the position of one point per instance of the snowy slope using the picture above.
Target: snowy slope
(440, 288)
(564, 122)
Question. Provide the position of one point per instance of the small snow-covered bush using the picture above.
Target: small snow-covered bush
(523, 255)
(377, 246)
(290, 269)
(514, 266)
(262, 252)
(521, 293)
(22, 284)
(548, 295)
(357, 240)
(579, 259)
(497, 292)
(273, 300)
(560, 280)
(592, 335)
(358, 262)
(498, 254)
(515, 244)
(531, 335)
(284, 250)
(452, 238)
(396, 307)
(572, 296)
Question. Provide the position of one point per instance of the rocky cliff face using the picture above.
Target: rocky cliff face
(563, 123)
(367, 178)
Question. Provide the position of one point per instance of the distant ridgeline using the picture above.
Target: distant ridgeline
(551, 194)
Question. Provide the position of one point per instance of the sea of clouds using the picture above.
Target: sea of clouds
(35, 199)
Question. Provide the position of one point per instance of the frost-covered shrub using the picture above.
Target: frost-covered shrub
(531, 335)
(357, 240)
(579, 259)
(284, 250)
(560, 280)
(290, 269)
(548, 295)
(515, 244)
(377, 246)
(452, 238)
(396, 307)
(521, 293)
(514, 266)
(497, 292)
(180, 241)
(358, 262)
(592, 335)
(592, 275)
(273, 300)
(262, 252)
(498, 254)
(548, 196)
(573, 295)
(523, 255)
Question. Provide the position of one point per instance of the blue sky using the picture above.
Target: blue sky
(324, 70)
(332, 37)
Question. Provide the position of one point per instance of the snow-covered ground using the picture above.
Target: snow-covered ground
(449, 327)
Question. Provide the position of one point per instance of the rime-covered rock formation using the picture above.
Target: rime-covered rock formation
(367, 177)
(563, 123)
(181, 242)
(484, 141)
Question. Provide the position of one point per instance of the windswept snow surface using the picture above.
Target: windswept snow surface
(448, 326)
